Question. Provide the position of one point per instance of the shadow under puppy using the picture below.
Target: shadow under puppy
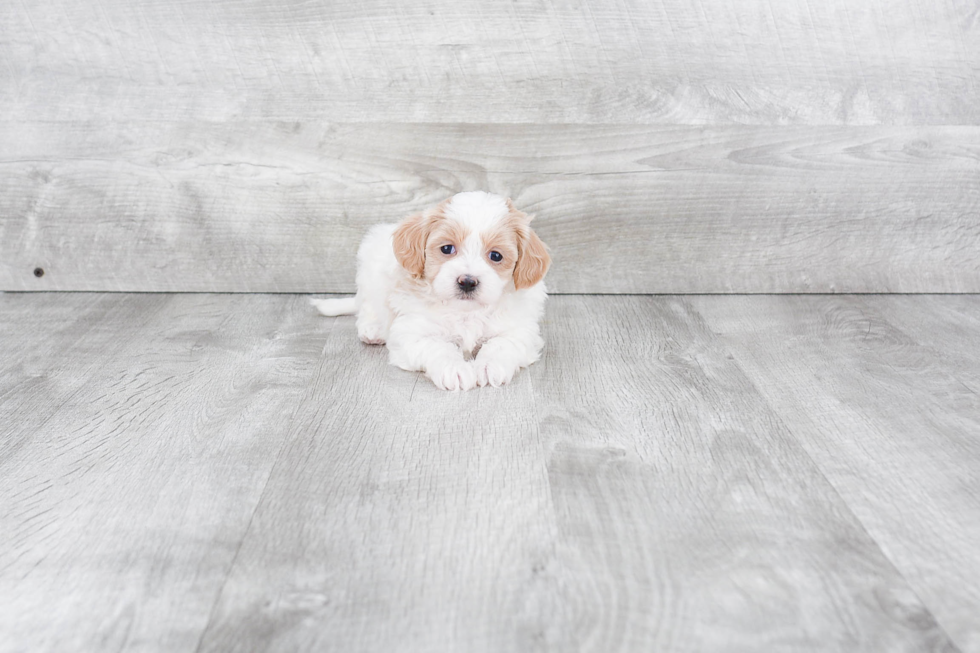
(455, 292)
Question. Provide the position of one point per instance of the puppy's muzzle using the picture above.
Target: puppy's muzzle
(467, 284)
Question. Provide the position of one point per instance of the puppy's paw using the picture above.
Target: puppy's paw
(493, 372)
(371, 334)
(453, 375)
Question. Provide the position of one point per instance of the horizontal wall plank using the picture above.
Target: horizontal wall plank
(536, 61)
(270, 206)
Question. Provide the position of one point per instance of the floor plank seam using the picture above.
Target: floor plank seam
(764, 467)
(258, 503)
(241, 542)
(843, 502)
(830, 484)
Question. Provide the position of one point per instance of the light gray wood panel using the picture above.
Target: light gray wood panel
(400, 517)
(945, 330)
(672, 511)
(140, 461)
(888, 420)
(262, 206)
(689, 517)
(674, 62)
(52, 344)
(222, 472)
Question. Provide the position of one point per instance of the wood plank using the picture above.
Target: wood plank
(124, 506)
(689, 517)
(888, 420)
(39, 333)
(236, 473)
(631, 492)
(943, 330)
(670, 62)
(399, 517)
(280, 207)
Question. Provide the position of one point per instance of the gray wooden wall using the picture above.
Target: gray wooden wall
(668, 146)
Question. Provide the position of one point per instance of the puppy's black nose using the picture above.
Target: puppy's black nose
(467, 283)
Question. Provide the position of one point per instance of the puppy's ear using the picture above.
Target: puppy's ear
(532, 259)
(409, 241)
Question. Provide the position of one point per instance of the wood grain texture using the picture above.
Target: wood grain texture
(400, 517)
(689, 517)
(547, 61)
(39, 332)
(945, 330)
(235, 473)
(280, 207)
(890, 415)
(140, 449)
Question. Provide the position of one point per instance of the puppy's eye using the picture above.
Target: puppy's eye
(496, 257)
(448, 249)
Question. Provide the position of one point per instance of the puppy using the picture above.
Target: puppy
(455, 292)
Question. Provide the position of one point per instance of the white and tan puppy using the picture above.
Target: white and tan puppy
(455, 292)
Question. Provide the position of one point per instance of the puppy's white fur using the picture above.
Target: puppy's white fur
(410, 297)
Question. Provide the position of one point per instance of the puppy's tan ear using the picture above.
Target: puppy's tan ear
(533, 259)
(409, 241)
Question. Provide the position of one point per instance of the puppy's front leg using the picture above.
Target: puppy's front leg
(442, 361)
(502, 356)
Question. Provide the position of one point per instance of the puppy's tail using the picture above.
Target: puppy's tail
(335, 307)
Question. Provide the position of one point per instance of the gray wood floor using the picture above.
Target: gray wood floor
(714, 473)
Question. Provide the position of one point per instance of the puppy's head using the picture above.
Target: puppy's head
(472, 248)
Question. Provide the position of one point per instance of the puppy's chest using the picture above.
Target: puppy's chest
(468, 332)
